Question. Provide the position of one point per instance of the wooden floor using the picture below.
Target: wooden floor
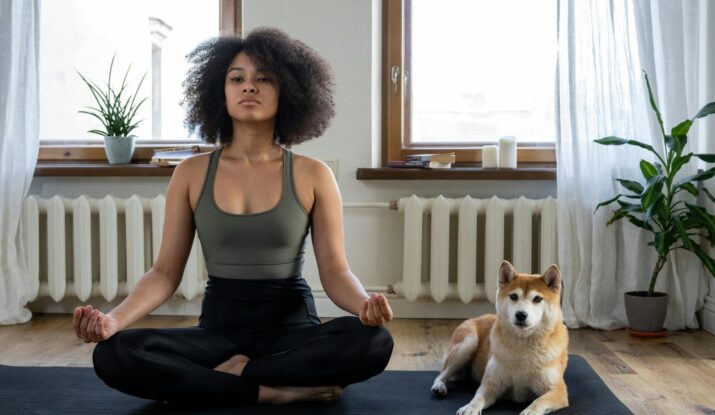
(674, 375)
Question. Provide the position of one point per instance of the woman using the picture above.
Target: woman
(252, 203)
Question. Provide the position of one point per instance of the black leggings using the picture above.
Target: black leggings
(272, 322)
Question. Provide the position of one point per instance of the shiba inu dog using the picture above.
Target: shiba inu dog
(519, 353)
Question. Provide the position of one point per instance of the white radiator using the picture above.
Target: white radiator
(463, 257)
(92, 229)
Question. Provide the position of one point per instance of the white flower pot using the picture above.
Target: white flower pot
(119, 150)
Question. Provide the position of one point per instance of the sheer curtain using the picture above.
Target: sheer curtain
(19, 145)
(602, 48)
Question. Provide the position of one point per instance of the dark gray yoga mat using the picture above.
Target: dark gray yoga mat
(74, 390)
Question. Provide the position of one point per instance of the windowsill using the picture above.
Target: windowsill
(523, 171)
(100, 168)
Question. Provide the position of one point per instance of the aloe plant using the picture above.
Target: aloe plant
(116, 109)
(652, 204)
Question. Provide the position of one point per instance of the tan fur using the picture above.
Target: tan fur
(519, 360)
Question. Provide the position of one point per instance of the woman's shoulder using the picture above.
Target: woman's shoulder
(309, 165)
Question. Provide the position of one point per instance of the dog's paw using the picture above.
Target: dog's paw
(529, 411)
(469, 410)
(439, 389)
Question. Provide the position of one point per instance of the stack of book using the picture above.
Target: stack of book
(172, 156)
(425, 161)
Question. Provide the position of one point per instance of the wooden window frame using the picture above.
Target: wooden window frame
(395, 124)
(53, 151)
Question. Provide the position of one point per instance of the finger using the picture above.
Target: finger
(92, 324)
(83, 324)
(386, 309)
(364, 319)
(76, 319)
(375, 311)
(100, 329)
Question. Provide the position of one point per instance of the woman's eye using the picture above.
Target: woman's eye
(514, 297)
(237, 79)
(537, 299)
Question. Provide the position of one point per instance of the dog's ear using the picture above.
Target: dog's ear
(506, 274)
(552, 278)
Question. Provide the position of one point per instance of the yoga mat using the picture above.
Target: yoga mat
(77, 390)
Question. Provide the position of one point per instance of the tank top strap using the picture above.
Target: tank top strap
(208, 191)
(288, 173)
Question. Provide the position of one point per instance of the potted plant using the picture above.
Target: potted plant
(655, 206)
(116, 110)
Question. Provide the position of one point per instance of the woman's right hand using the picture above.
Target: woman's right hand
(91, 325)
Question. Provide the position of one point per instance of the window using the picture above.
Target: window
(458, 74)
(152, 35)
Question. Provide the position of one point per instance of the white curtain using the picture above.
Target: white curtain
(19, 145)
(603, 46)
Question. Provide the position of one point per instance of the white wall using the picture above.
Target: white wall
(346, 33)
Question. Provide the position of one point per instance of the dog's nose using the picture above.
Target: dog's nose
(520, 316)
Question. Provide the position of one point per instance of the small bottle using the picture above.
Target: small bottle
(490, 157)
(507, 152)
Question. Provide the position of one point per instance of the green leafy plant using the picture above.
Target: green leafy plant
(115, 109)
(653, 206)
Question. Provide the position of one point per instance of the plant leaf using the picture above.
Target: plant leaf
(679, 162)
(702, 176)
(682, 128)
(652, 104)
(634, 187)
(687, 243)
(607, 202)
(705, 258)
(660, 244)
(690, 188)
(617, 215)
(706, 110)
(653, 190)
(648, 169)
(708, 194)
(709, 158)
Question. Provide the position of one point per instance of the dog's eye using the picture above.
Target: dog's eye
(514, 297)
(537, 299)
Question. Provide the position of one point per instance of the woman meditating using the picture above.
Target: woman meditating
(253, 203)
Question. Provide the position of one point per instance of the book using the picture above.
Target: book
(410, 164)
(416, 164)
(436, 165)
(437, 158)
(172, 156)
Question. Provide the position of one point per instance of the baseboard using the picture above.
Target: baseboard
(325, 307)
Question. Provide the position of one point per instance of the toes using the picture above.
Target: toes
(439, 389)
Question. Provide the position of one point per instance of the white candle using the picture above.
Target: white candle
(490, 157)
(507, 152)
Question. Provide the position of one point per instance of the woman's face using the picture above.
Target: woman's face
(251, 92)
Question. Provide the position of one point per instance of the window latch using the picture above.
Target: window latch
(395, 77)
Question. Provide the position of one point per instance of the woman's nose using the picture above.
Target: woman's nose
(249, 87)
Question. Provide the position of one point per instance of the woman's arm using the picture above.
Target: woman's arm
(162, 280)
(339, 282)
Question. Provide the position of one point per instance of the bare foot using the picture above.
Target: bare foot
(287, 394)
(234, 365)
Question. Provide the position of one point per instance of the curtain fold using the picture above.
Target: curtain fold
(603, 46)
(19, 146)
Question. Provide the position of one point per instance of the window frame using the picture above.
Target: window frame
(396, 49)
(230, 18)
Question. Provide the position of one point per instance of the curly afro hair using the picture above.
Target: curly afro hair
(305, 103)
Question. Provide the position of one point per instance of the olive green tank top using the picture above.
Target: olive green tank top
(258, 246)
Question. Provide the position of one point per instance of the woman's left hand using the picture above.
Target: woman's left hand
(375, 311)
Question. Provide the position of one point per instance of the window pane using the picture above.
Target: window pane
(152, 35)
(482, 69)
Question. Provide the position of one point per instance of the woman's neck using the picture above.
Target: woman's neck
(253, 143)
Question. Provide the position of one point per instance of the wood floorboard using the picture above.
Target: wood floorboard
(673, 375)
